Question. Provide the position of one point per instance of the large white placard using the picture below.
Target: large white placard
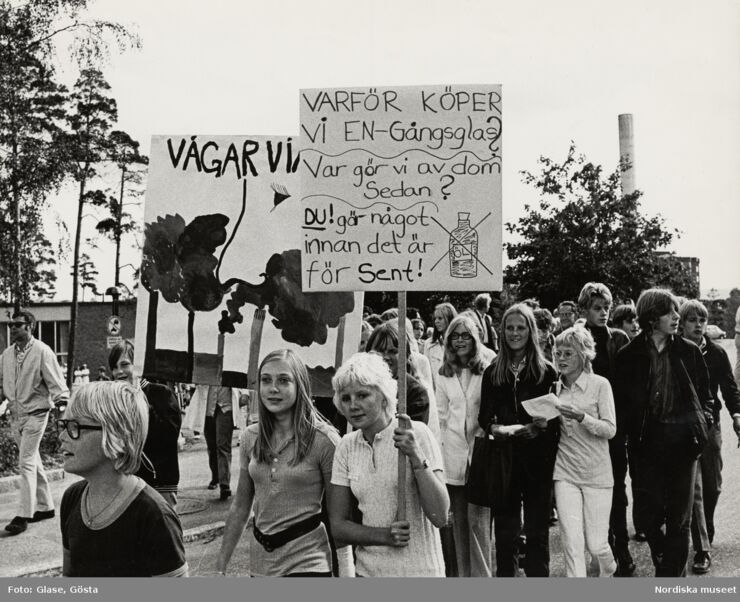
(401, 188)
(220, 279)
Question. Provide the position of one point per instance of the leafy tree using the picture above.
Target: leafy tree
(88, 275)
(31, 110)
(39, 264)
(119, 222)
(584, 229)
(86, 146)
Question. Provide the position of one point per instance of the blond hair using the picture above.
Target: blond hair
(123, 412)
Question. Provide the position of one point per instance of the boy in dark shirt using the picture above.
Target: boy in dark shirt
(595, 302)
(693, 322)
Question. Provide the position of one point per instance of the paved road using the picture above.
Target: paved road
(41, 545)
(726, 555)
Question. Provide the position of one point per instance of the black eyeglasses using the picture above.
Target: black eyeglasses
(465, 336)
(73, 428)
(18, 324)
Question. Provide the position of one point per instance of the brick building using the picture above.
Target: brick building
(53, 320)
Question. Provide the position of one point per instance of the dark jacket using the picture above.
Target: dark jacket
(633, 382)
(160, 447)
(720, 379)
(501, 404)
(616, 339)
(417, 400)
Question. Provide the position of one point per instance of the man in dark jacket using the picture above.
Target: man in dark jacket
(694, 315)
(594, 303)
(663, 386)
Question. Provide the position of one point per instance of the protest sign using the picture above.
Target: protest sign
(401, 188)
(220, 276)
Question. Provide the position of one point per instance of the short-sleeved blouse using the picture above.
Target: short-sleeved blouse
(371, 472)
(285, 495)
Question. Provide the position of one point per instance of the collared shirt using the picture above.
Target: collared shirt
(663, 387)
(371, 472)
(218, 396)
(583, 450)
(31, 380)
(285, 495)
(20, 354)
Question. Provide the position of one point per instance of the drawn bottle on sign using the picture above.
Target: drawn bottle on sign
(463, 249)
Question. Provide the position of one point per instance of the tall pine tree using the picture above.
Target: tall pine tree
(90, 118)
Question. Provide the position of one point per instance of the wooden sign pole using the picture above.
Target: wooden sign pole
(402, 359)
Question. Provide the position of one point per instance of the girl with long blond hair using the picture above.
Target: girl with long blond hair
(286, 462)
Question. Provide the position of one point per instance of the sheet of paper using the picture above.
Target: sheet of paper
(511, 429)
(545, 406)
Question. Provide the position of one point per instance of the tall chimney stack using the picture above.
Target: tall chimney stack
(627, 152)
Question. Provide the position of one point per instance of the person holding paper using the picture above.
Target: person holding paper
(286, 462)
(366, 466)
(518, 373)
(458, 400)
(583, 474)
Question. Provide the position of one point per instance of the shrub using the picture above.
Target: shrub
(49, 448)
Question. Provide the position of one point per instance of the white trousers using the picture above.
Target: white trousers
(584, 511)
(471, 529)
(34, 490)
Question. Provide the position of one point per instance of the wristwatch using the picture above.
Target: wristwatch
(424, 465)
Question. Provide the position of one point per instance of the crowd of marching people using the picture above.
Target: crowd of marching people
(507, 432)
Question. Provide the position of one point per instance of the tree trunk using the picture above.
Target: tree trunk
(75, 284)
(117, 231)
(17, 284)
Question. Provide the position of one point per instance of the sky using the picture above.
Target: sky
(567, 68)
